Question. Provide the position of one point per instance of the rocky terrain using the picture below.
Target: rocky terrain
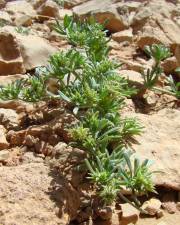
(39, 180)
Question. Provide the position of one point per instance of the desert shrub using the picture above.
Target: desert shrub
(89, 83)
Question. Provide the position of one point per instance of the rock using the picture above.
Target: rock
(169, 65)
(169, 202)
(152, 35)
(162, 223)
(5, 17)
(73, 3)
(170, 29)
(133, 65)
(5, 80)
(161, 145)
(9, 118)
(49, 8)
(103, 10)
(20, 7)
(177, 54)
(151, 9)
(152, 206)
(2, 3)
(160, 214)
(3, 142)
(178, 206)
(4, 155)
(125, 35)
(23, 20)
(35, 51)
(134, 78)
(104, 213)
(31, 157)
(11, 61)
(63, 12)
(54, 200)
(129, 214)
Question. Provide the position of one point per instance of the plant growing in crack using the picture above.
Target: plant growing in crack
(89, 84)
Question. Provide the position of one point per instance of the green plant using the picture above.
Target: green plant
(87, 34)
(32, 89)
(12, 90)
(174, 87)
(158, 53)
(23, 30)
(93, 90)
(151, 76)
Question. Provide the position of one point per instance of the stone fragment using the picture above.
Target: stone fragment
(35, 51)
(152, 206)
(11, 61)
(9, 118)
(4, 155)
(104, 213)
(169, 202)
(169, 65)
(49, 8)
(5, 18)
(161, 145)
(8, 79)
(103, 10)
(133, 77)
(125, 35)
(2, 3)
(20, 7)
(23, 20)
(129, 214)
(3, 142)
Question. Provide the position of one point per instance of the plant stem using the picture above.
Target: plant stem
(163, 91)
(135, 206)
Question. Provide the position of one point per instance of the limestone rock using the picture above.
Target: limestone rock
(20, 7)
(11, 61)
(152, 35)
(2, 3)
(162, 223)
(5, 17)
(54, 200)
(35, 51)
(8, 118)
(161, 145)
(133, 77)
(125, 35)
(23, 20)
(5, 80)
(3, 142)
(169, 204)
(152, 206)
(170, 29)
(151, 9)
(169, 65)
(177, 54)
(103, 10)
(49, 8)
(4, 155)
(129, 214)
(73, 3)
(105, 213)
